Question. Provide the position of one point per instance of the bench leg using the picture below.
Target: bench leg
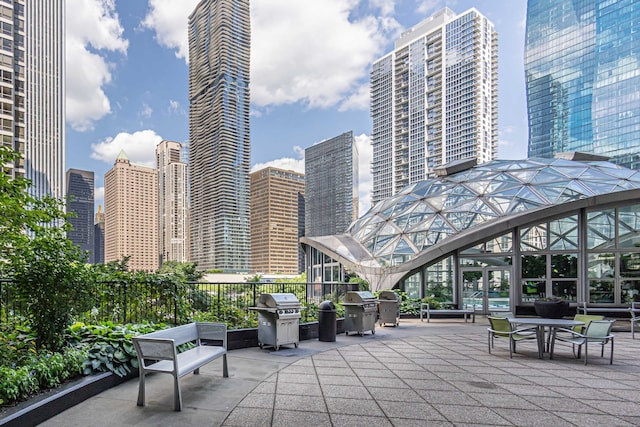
(177, 396)
(225, 371)
(141, 387)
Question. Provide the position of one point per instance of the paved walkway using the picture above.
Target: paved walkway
(417, 374)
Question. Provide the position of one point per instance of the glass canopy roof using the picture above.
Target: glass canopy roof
(427, 212)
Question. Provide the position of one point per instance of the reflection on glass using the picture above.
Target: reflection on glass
(533, 290)
(439, 283)
(564, 265)
(601, 291)
(629, 226)
(601, 229)
(601, 266)
(534, 238)
(630, 291)
(563, 233)
(534, 266)
(629, 265)
(565, 289)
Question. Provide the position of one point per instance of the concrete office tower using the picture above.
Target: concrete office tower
(173, 209)
(80, 184)
(275, 195)
(98, 236)
(331, 188)
(219, 144)
(32, 114)
(131, 214)
(583, 78)
(434, 100)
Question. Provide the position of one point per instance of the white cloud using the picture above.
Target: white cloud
(365, 154)
(146, 111)
(428, 7)
(286, 163)
(91, 25)
(315, 53)
(169, 20)
(138, 146)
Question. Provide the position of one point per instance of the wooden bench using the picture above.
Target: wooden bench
(634, 311)
(157, 352)
(466, 312)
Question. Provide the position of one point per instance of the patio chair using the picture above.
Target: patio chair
(500, 327)
(507, 314)
(598, 332)
(586, 318)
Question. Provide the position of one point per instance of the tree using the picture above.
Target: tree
(47, 269)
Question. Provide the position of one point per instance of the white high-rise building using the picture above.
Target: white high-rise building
(173, 209)
(32, 113)
(434, 100)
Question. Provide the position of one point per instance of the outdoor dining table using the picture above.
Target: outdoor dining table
(541, 324)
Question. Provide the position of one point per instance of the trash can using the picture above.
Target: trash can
(327, 323)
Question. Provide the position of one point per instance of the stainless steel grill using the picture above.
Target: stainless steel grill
(389, 308)
(278, 320)
(360, 312)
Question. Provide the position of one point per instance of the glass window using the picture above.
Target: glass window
(563, 233)
(601, 291)
(630, 265)
(534, 266)
(533, 238)
(564, 265)
(629, 226)
(565, 289)
(439, 280)
(601, 229)
(630, 291)
(601, 266)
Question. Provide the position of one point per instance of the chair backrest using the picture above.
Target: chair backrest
(599, 328)
(586, 318)
(502, 314)
(500, 324)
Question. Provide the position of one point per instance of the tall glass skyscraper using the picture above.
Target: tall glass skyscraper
(331, 185)
(219, 156)
(434, 100)
(583, 78)
(80, 191)
(32, 114)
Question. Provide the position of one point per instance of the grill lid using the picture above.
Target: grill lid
(388, 296)
(278, 301)
(359, 297)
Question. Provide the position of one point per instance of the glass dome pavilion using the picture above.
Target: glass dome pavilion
(500, 235)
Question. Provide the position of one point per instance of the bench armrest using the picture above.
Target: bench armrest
(154, 349)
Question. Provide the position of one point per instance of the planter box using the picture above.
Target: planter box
(551, 309)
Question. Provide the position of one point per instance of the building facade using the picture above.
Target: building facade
(501, 235)
(32, 75)
(434, 100)
(80, 201)
(219, 138)
(582, 78)
(98, 236)
(131, 215)
(331, 185)
(173, 207)
(275, 226)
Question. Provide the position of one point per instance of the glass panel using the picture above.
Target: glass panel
(533, 238)
(600, 266)
(630, 265)
(412, 286)
(601, 291)
(629, 226)
(502, 244)
(563, 233)
(534, 266)
(498, 290)
(565, 289)
(473, 289)
(533, 290)
(630, 291)
(439, 283)
(601, 229)
(564, 265)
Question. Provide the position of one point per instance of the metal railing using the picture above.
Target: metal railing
(177, 303)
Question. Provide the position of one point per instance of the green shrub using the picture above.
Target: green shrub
(109, 346)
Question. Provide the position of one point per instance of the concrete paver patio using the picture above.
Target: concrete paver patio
(417, 374)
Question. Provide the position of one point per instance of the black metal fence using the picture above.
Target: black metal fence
(177, 303)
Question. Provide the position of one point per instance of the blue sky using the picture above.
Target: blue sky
(127, 76)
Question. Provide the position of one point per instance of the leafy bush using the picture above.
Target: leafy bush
(42, 372)
(434, 304)
(109, 346)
